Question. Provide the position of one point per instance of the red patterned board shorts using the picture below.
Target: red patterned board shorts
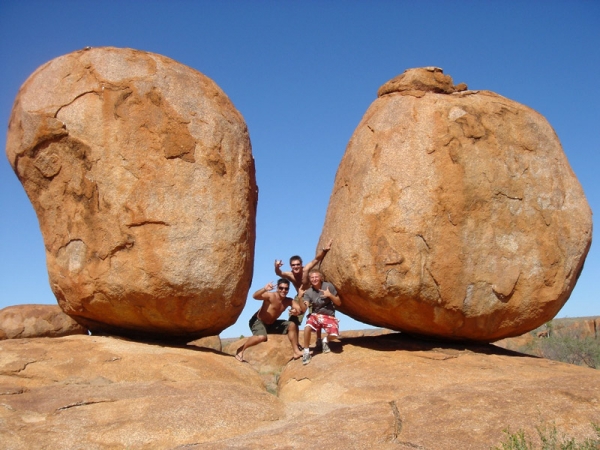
(328, 323)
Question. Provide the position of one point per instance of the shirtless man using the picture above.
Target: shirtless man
(299, 275)
(265, 320)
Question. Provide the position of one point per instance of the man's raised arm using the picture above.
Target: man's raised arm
(302, 303)
(260, 294)
(318, 258)
(279, 273)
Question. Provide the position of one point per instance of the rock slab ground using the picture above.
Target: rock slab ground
(387, 392)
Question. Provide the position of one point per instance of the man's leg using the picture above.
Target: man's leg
(325, 345)
(259, 334)
(250, 342)
(319, 343)
(292, 333)
(306, 352)
(332, 329)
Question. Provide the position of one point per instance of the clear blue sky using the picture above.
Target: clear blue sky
(303, 73)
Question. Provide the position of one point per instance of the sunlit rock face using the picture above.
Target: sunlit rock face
(141, 174)
(31, 321)
(454, 214)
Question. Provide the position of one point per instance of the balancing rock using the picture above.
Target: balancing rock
(141, 174)
(455, 214)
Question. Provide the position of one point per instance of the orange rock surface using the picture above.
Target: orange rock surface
(28, 321)
(455, 214)
(388, 392)
(141, 174)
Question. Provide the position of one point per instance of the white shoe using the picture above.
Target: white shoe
(305, 358)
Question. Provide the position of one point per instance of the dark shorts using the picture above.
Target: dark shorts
(259, 328)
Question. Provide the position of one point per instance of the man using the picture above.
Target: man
(299, 278)
(323, 298)
(265, 320)
(299, 275)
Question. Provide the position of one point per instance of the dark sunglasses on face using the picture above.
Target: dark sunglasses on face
(283, 288)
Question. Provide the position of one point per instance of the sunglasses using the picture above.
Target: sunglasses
(283, 288)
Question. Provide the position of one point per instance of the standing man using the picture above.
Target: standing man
(323, 298)
(265, 320)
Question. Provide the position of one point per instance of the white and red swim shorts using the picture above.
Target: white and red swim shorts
(322, 321)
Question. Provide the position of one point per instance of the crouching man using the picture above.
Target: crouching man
(323, 298)
(265, 320)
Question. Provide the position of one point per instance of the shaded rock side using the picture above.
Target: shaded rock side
(141, 174)
(29, 321)
(455, 214)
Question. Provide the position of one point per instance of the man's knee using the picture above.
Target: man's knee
(259, 337)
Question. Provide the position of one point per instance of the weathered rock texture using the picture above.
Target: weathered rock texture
(97, 393)
(455, 214)
(268, 358)
(28, 321)
(141, 174)
(384, 392)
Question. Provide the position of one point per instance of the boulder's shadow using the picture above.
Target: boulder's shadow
(407, 342)
(181, 343)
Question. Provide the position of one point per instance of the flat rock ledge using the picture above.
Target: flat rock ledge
(390, 392)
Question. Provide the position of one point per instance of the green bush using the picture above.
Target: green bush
(564, 344)
(572, 350)
(550, 439)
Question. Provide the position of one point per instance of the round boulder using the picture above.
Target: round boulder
(141, 174)
(455, 214)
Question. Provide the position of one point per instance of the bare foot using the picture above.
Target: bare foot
(297, 355)
(239, 355)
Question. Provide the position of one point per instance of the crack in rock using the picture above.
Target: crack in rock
(83, 403)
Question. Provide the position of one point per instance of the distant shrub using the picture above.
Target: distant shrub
(572, 350)
(565, 345)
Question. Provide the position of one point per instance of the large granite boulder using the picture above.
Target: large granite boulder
(455, 214)
(29, 321)
(141, 174)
